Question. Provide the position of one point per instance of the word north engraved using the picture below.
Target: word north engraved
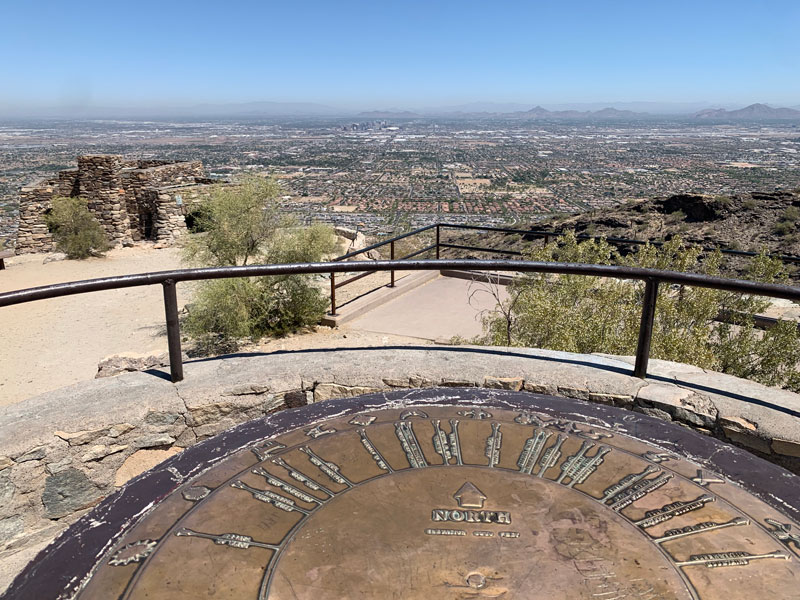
(471, 516)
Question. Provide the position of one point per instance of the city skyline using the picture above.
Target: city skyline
(407, 56)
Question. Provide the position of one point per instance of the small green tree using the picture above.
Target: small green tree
(75, 231)
(591, 314)
(242, 225)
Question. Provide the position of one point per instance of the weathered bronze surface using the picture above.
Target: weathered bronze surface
(459, 501)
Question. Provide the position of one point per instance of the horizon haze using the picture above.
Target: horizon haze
(338, 60)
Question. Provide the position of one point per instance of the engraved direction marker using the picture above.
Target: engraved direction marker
(276, 500)
(410, 414)
(528, 418)
(319, 431)
(701, 479)
(658, 457)
(469, 496)
(268, 450)
(410, 444)
(681, 532)
(362, 420)
(286, 487)
(782, 532)
(374, 452)
(307, 481)
(234, 540)
(447, 445)
(133, 552)
(493, 443)
(475, 413)
(532, 450)
(671, 510)
(331, 469)
(728, 559)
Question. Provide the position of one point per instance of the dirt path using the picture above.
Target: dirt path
(50, 344)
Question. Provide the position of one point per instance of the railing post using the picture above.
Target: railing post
(391, 256)
(333, 295)
(646, 328)
(437, 241)
(173, 331)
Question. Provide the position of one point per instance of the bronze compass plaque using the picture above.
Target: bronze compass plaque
(452, 493)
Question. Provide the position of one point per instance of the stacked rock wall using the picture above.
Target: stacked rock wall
(33, 234)
(132, 199)
(101, 184)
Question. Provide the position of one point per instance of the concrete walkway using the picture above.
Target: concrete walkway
(438, 310)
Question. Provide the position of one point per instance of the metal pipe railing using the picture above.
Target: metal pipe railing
(169, 279)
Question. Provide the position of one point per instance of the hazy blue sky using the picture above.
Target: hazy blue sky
(398, 54)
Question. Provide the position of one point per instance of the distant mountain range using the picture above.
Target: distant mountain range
(476, 110)
(388, 114)
(754, 112)
(604, 113)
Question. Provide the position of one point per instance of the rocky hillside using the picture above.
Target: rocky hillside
(749, 222)
(758, 220)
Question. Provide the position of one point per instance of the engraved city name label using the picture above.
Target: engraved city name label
(410, 445)
(671, 510)
(307, 481)
(286, 487)
(626, 482)
(638, 491)
(447, 445)
(728, 559)
(276, 500)
(234, 540)
(579, 467)
(330, 469)
(681, 532)
(551, 455)
(532, 450)
(374, 452)
(493, 444)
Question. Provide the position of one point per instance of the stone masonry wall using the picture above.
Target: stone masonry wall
(125, 196)
(100, 183)
(173, 203)
(33, 234)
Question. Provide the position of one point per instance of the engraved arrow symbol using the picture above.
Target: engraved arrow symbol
(468, 496)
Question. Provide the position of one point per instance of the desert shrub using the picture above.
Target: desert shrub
(592, 314)
(242, 225)
(783, 228)
(75, 231)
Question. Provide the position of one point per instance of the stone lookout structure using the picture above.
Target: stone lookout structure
(132, 199)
